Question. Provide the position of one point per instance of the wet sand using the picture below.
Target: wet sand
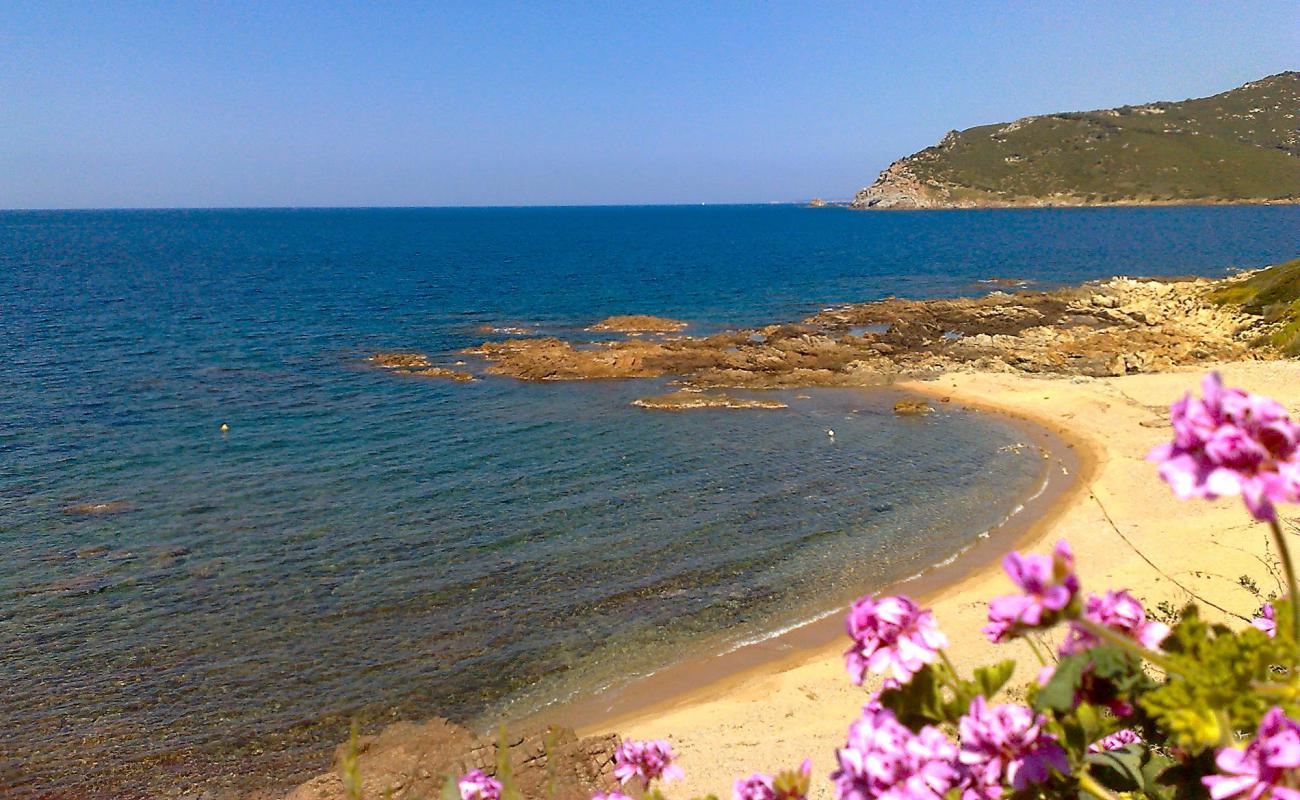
(768, 706)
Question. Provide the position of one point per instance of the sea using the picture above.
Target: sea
(227, 537)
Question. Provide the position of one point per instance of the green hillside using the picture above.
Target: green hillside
(1239, 146)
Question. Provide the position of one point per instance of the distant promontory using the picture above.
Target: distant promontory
(1240, 146)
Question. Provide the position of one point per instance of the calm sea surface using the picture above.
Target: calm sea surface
(360, 545)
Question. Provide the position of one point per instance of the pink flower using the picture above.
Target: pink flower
(476, 785)
(884, 759)
(756, 787)
(614, 795)
(648, 761)
(891, 635)
(1115, 741)
(1005, 745)
(1268, 622)
(1269, 767)
(1049, 585)
(1121, 612)
(1230, 442)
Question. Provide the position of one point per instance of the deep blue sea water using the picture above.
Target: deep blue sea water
(360, 545)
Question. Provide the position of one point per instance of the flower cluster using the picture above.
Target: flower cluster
(892, 636)
(885, 759)
(1006, 745)
(648, 761)
(1048, 587)
(476, 785)
(1229, 442)
(1119, 611)
(1000, 745)
(1269, 767)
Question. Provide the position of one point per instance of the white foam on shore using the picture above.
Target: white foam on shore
(763, 637)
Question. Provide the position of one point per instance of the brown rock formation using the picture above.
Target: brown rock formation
(912, 406)
(637, 323)
(1110, 327)
(409, 760)
(416, 365)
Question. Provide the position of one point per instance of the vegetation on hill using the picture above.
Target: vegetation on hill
(1241, 145)
(1273, 294)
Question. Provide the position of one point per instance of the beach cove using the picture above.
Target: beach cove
(1126, 529)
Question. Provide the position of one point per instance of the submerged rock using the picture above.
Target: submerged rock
(399, 360)
(683, 400)
(910, 406)
(442, 372)
(91, 509)
(638, 323)
(417, 365)
(410, 760)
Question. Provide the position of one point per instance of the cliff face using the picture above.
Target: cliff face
(1239, 146)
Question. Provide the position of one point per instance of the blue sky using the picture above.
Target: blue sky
(485, 103)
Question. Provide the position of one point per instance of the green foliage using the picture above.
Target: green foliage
(938, 696)
(1218, 686)
(1273, 294)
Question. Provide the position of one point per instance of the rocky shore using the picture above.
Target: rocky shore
(1107, 328)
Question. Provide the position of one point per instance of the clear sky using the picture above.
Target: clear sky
(488, 103)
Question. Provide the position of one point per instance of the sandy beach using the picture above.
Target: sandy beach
(1125, 526)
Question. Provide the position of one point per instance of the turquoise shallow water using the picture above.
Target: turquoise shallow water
(360, 545)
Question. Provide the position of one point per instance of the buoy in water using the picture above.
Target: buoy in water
(225, 428)
(830, 433)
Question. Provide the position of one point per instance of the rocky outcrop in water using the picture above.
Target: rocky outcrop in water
(416, 365)
(684, 400)
(637, 323)
(1109, 327)
(410, 760)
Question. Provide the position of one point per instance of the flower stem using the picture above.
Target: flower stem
(1279, 538)
(1123, 642)
(953, 680)
(1089, 784)
(1042, 662)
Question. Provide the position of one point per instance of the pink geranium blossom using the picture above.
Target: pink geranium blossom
(1269, 767)
(614, 795)
(652, 760)
(761, 786)
(1268, 621)
(1005, 744)
(1048, 585)
(1229, 442)
(476, 785)
(1121, 612)
(891, 635)
(758, 786)
(1115, 741)
(884, 759)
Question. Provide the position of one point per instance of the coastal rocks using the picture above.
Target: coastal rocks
(683, 400)
(416, 365)
(409, 760)
(399, 360)
(912, 406)
(441, 372)
(1114, 327)
(637, 323)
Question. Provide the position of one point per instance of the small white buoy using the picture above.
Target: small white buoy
(225, 428)
(830, 433)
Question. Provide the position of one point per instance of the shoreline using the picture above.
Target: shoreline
(1072, 464)
(1127, 530)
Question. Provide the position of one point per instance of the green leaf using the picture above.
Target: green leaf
(1119, 769)
(1060, 692)
(449, 789)
(990, 680)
